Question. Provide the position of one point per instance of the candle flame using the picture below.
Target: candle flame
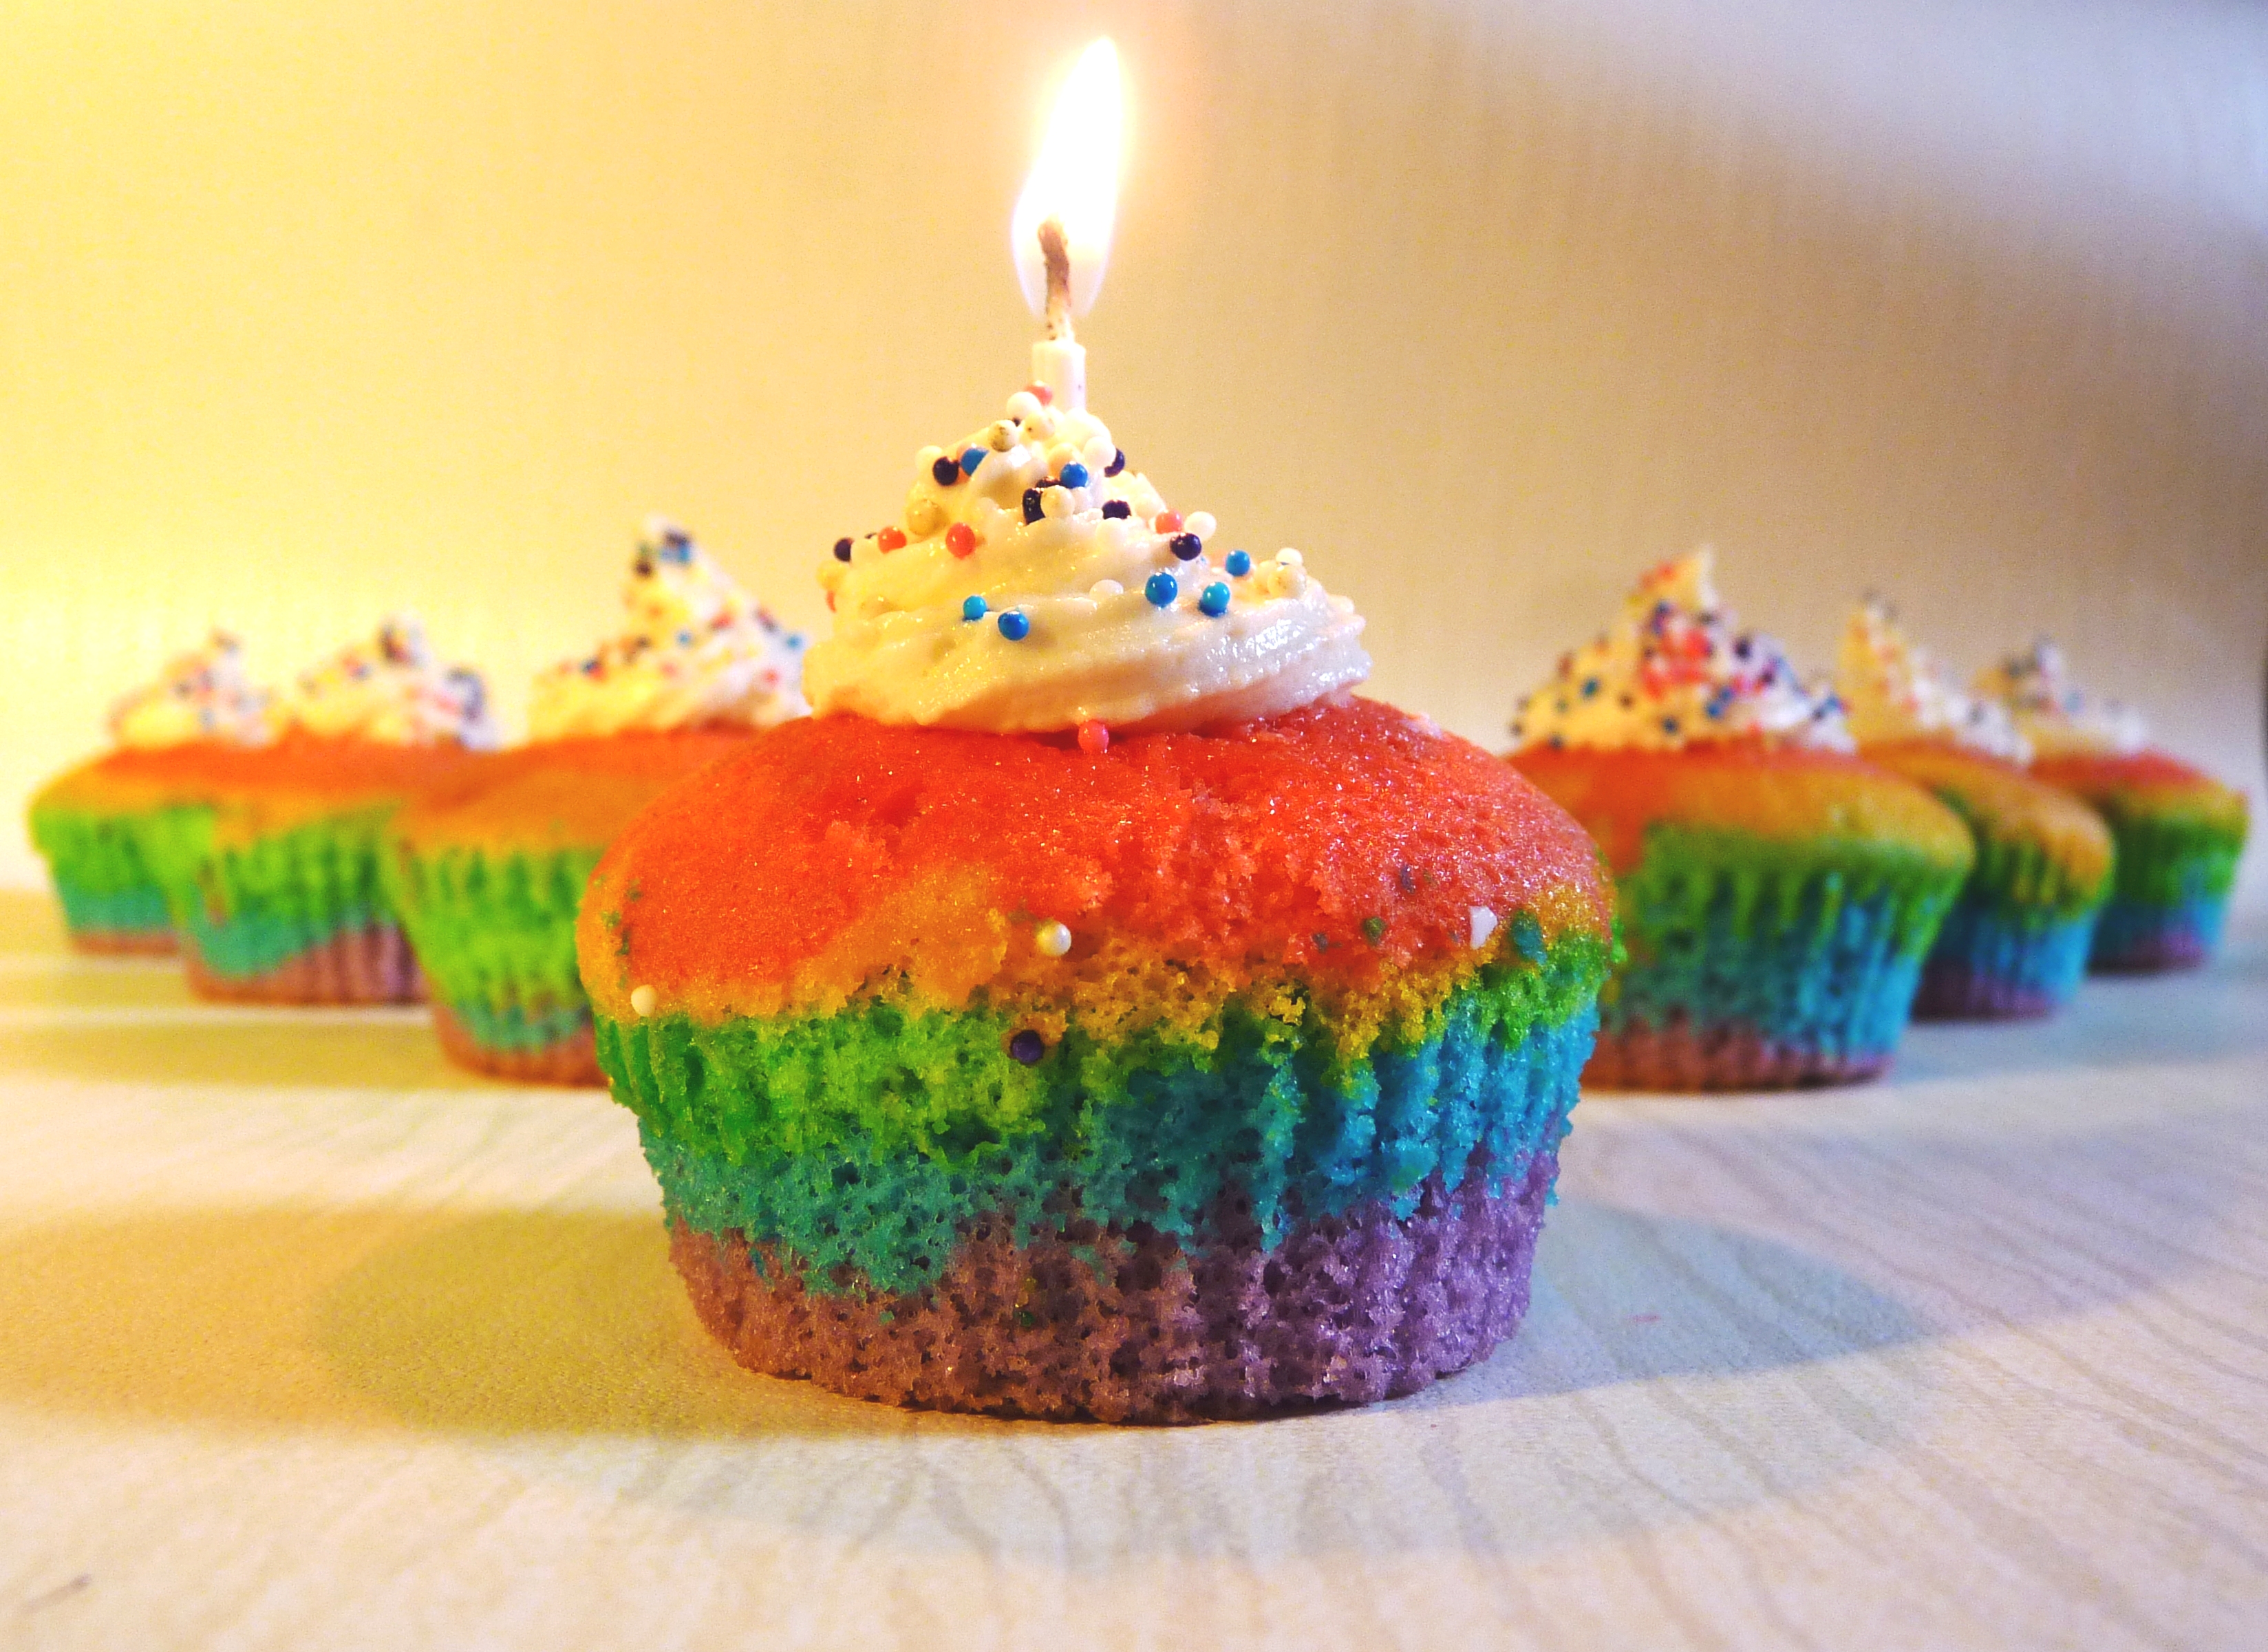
(1074, 181)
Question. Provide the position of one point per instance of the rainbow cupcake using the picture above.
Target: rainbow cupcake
(2015, 943)
(88, 823)
(1094, 1012)
(2179, 832)
(1777, 895)
(486, 873)
(272, 874)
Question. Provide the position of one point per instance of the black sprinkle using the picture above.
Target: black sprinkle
(1117, 510)
(843, 549)
(1032, 511)
(948, 472)
(1117, 463)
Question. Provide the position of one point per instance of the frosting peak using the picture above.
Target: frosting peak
(1673, 672)
(697, 651)
(1893, 690)
(202, 694)
(1035, 584)
(2054, 712)
(393, 690)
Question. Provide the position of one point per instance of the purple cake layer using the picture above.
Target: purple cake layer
(355, 967)
(1128, 1327)
(1680, 1056)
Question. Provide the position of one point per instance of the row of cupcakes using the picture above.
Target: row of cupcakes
(359, 837)
(1783, 906)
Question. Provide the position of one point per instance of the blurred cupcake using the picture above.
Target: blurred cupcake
(88, 822)
(1777, 895)
(486, 873)
(2015, 943)
(273, 876)
(2179, 832)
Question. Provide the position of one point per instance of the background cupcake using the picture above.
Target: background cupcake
(273, 878)
(2179, 832)
(1777, 895)
(1095, 1012)
(2015, 943)
(88, 823)
(486, 873)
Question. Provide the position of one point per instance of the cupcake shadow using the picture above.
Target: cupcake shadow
(515, 1323)
(384, 1049)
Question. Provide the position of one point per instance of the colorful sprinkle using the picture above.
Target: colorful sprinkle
(842, 554)
(1482, 921)
(1161, 589)
(1117, 463)
(1213, 599)
(1166, 522)
(1046, 396)
(1117, 509)
(946, 469)
(960, 539)
(972, 607)
(1052, 938)
(1187, 546)
(1014, 626)
(643, 1000)
(1033, 511)
(1074, 475)
(1093, 738)
(1026, 1046)
(1239, 563)
(891, 539)
(971, 458)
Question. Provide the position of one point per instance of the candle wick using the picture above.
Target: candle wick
(1056, 255)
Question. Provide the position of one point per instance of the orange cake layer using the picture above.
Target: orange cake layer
(2006, 802)
(1769, 792)
(559, 794)
(1347, 844)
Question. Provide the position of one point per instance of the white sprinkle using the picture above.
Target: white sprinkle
(1097, 453)
(1484, 925)
(1200, 524)
(1052, 938)
(1000, 435)
(643, 1000)
(1056, 502)
(926, 458)
(1025, 406)
(1044, 424)
(1289, 559)
(1425, 725)
(1106, 588)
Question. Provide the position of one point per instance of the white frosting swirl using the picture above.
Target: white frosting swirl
(2054, 712)
(1892, 689)
(392, 690)
(202, 695)
(698, 653)
(1110, 622)
(1673, 672)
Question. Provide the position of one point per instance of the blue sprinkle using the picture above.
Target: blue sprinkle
(1117, 463)
(1117, 509)
(1669, 725)
(971, 458)
(1187, 546)
(843, 550)
(1213, 599)
(1014, 626)
(1074, 475)
(1239, 564)
(972, 608)
(1590, 686)
(1163, 588)
(685, 639)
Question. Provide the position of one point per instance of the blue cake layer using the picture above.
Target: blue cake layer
(1253, 1121)
(2029, 962)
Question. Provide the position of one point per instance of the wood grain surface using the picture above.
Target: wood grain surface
(306, 1339)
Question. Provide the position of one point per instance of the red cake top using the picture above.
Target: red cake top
(1344, 841)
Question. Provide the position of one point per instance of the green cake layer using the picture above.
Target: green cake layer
(495, 933)
(861, 1142)
(249, 906)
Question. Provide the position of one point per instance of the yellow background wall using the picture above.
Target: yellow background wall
(311, 309)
